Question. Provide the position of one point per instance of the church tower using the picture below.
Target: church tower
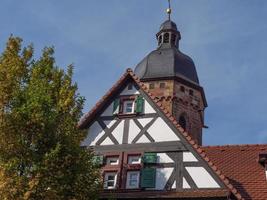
(172, 78)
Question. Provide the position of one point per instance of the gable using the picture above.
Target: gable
(147, 127)
(151, 131)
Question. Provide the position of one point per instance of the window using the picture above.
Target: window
(110, 180)
(132, 179)
(128, 106)
(182, 89)
(112, 160)
(134, 160)
(173, 38)
(166, 38)
(182, 122)
(130, 86)
(160, 40)
(151, 86)
(191, 92)
(162, 85)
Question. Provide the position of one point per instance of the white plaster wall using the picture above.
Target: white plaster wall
(189, 157)
(185, 184)
(107, 141)
(202, 178)
(161, 132)
(144, 121)
(162, 176)
(133, 131)
(109, 123)
(163, 158)
(143, 139)
(95, 132)
(129, 92)
(148, 108)
(118, 132)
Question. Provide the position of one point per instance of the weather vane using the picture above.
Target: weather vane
(169, 10)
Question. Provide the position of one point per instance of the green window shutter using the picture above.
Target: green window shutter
(148, 178)
(98, 160)
(139, 104)
(150, 158)
(116, 106)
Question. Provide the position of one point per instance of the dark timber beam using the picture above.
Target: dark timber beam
(146, 147)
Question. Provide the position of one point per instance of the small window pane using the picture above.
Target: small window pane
(173, 38)
(112, 160)
(132, 179)
(134, 160)
(160, 39)
(128, 107)
(166, 38)
(151, 86)
(110, 180)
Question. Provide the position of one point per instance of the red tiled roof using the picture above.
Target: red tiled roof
(239, 163)
(87, 118)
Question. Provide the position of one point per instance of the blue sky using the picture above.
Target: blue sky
(227, 40)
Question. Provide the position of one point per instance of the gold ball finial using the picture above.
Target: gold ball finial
(169, 10)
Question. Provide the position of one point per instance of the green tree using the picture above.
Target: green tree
(40, 153)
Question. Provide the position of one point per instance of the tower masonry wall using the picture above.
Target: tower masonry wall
(181, 100)
(188, 102)
(164, 94)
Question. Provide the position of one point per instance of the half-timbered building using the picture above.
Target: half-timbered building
(146, 134)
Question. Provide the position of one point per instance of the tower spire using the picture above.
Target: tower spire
(169, 10)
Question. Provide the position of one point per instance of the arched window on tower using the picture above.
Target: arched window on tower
(166, 38)
(182, 122)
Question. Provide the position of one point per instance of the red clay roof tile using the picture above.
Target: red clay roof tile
(239, 163)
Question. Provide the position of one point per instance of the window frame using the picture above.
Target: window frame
(124, 109)
(128, 180)
(106, 180)
(151, 86)
(109, 159)
(130, 162)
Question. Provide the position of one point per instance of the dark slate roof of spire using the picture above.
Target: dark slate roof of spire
(167, 61)
(168, 24)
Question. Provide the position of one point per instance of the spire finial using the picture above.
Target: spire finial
(169, 10)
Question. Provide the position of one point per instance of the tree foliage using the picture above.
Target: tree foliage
(40, 153)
